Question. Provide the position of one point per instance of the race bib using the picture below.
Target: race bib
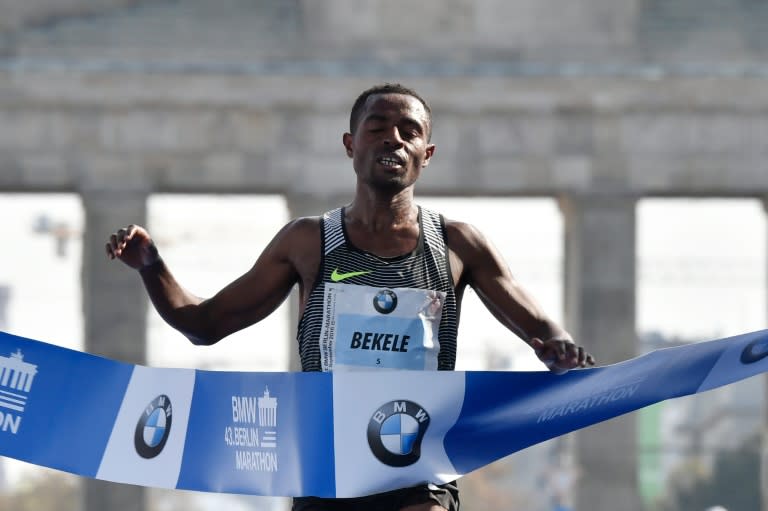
(367, 327)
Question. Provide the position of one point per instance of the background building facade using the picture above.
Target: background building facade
(596, 103)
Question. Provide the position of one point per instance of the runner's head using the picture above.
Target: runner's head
(389, 138)
(387, 88)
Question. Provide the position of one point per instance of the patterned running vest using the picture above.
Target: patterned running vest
(368, 312)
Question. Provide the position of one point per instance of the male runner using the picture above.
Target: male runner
(380, 280)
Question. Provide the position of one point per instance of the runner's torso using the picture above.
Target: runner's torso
(370, 312)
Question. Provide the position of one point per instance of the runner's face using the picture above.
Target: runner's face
(390, 144)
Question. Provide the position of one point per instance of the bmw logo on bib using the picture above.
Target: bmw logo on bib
(153, 427)
(385, 301)
(395, 432)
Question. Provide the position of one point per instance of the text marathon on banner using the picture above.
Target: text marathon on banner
(334, 435)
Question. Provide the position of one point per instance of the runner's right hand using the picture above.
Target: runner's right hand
(134, 246)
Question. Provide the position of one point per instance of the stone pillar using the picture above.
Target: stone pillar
(114, 311)
(305, 204)
(600, 314)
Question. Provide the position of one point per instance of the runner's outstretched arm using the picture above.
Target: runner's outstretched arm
(481, 266)
(243, 302)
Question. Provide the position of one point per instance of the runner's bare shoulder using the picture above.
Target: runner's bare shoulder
(301, 240)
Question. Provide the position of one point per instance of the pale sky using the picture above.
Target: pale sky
(701, 271)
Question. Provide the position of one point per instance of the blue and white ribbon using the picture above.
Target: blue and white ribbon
(333, 435)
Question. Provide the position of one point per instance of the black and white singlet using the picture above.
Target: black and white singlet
(368, 312)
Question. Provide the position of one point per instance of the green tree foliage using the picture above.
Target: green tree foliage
(733, 482)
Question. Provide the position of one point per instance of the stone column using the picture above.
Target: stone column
(114, 311)
(305, 204)
(600, 314)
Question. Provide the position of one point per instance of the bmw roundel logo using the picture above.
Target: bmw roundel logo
(755, 350)
(153, 427)
(395, 432)
(385, 301)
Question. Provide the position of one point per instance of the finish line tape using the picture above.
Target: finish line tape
(340, 434)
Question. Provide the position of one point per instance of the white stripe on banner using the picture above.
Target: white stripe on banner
(330, 435)
(393, 429)
(147, 441)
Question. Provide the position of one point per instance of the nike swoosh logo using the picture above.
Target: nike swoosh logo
(338, 277)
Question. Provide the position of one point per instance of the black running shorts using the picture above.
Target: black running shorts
(446, 495)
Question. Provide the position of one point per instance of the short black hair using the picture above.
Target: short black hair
(387, 88)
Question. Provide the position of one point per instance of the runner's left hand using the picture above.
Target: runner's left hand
(560, 355)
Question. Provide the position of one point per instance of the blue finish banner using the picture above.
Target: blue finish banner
(341, 434)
